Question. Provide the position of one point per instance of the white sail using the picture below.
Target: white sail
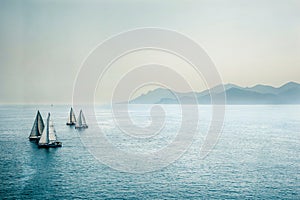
(38, 126)
(72, 118)
(81, 123)
(52, 132)
(48, 138)
(45, 135)
(79, 120)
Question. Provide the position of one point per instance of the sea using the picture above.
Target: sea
(256, 156)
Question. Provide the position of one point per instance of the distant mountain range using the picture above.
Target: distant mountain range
(289, 93)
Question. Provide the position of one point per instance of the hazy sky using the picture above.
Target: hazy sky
(43, 43)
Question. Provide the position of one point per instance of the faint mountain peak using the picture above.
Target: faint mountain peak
(231, 85)
(260, 86)
(264, 89)
(154, 96)
(291, 84)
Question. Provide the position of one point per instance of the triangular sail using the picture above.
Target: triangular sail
(34, 130)
(38, 126)
(72, 118)
(52, 132)
(81, 123)
(45, 135)
(83, 119)
(41, 125)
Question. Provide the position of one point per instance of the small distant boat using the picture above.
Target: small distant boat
(37, 128)
(72, 118)
(48, 138)
(81, 123)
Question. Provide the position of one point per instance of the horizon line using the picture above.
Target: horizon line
(66, 103)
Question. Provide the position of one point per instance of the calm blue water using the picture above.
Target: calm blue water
(258, 156)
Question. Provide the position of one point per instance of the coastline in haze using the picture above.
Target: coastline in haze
(288, 93)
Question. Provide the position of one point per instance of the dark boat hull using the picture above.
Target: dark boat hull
(70, 124)
(52, 145)
(34, 139)
(81, 127)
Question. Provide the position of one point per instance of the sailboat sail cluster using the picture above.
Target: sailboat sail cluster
(81, 123)
(72, 118)
(37, 128)
(45, 134)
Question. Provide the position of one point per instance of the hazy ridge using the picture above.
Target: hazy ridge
(288, 93)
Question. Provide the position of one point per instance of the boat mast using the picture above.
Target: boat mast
(47, 130)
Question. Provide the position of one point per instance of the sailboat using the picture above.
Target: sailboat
(48, 138)
(37, 128)
(72, 118)
(81, 123)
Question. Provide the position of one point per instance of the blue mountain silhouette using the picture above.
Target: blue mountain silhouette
(288, 93)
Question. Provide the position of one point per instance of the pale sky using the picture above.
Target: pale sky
(43, 43)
